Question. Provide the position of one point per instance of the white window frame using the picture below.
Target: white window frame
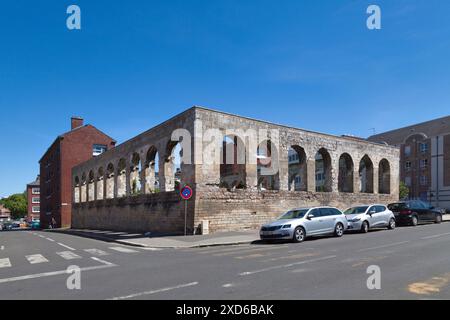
(36, 190)
(96, 149)
(424, 147)
(33, 200)
(34, 210)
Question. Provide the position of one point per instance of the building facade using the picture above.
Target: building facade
(34, 199)
(80, 144)
(424, 159)
(230, 192)
(5, 214)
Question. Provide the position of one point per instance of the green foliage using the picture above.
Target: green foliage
(404, 190)
(17, 204)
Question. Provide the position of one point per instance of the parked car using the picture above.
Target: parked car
(297, 224)
(364, 218)
(414, 212)
(35, 224)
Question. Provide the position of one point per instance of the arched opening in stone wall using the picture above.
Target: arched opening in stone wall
(91, 186)
(172, 166)
(83, 188)
(346, 167)
(366, 175)
(135, 174)
(76, 190)
(297, 171)
(384, 179)
(110, 181)
(100, 184)
(268, 166)
(152, 171)
(232, 166)
(323, 171)
(122, 178)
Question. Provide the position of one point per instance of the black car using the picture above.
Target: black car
(414, 212)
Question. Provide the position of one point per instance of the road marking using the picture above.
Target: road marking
(96, 252)
(431, 286)
(68, 255)
(67, 247)
(365, 261)
(384, 246)
(50, 239)
(36, 258)
(294, 256)
(56, 273)
(146, 293)
(103, 261)
(5, 263)
(2, 248)
(41, 236)
(286, 265)
(122, 249)
(436, 236)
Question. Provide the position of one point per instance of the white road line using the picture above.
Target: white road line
(103, 261)
(286, 265)
(67, 247)
(50, 239)
(40, 236)
(2, 248)
(68, 255)
(96, 252)
(55, 273)
(146, 293)
(384, 246)
(122, 249)
(436, 236)
(36, 258)
(5, 263)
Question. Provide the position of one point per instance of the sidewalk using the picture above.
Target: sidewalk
(166, 241)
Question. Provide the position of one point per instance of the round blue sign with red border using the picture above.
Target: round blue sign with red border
(186, 193)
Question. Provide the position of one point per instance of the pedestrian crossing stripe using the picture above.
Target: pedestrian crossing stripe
(36, 258)
(122, 249)
(68, 255)
(96, 252)
(5, 263)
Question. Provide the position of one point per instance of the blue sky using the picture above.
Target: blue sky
(310, 64)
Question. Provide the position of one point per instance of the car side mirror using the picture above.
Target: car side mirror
(310, 216)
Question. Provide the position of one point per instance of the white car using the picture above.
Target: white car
(363, 218)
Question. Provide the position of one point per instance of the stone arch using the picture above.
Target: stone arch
(233, 172)
(366, 175)
(323, 171)
(135, 174)
(76, 190)
(268, 175)
(151, 171)
(172, 166)
(83, 188)
(346, 168)
(91, 186)
(110, 181)
(100, 184)
(384, 177)
(122, 178)
(297, 169)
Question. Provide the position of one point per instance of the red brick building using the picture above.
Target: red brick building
(70, 149)
(34, 199)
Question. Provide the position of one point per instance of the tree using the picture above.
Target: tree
(17, 204)
(404, 190)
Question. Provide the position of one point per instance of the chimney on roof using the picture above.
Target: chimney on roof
(76, 122)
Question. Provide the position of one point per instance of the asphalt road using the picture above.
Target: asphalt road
(414, 263)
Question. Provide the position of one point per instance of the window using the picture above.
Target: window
(36, 209)
(36, 191)
(380, 209)
(424, 163)
(408, 181)
(98, 149)
(408, 165)
(36, 200)
(423, 180)
(423, 147)
(407, 151)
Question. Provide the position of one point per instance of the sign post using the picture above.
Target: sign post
(186, 194)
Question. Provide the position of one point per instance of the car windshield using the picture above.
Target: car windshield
(294, 214)
(356, 210)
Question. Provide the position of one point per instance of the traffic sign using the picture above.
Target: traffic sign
(186, 193)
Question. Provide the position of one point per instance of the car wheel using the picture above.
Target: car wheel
(438, 219)
(391, 225)
(414, 221)
(339, 230)
(299, 234)
(365, 227)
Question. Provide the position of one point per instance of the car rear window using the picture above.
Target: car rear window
(398, 206)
